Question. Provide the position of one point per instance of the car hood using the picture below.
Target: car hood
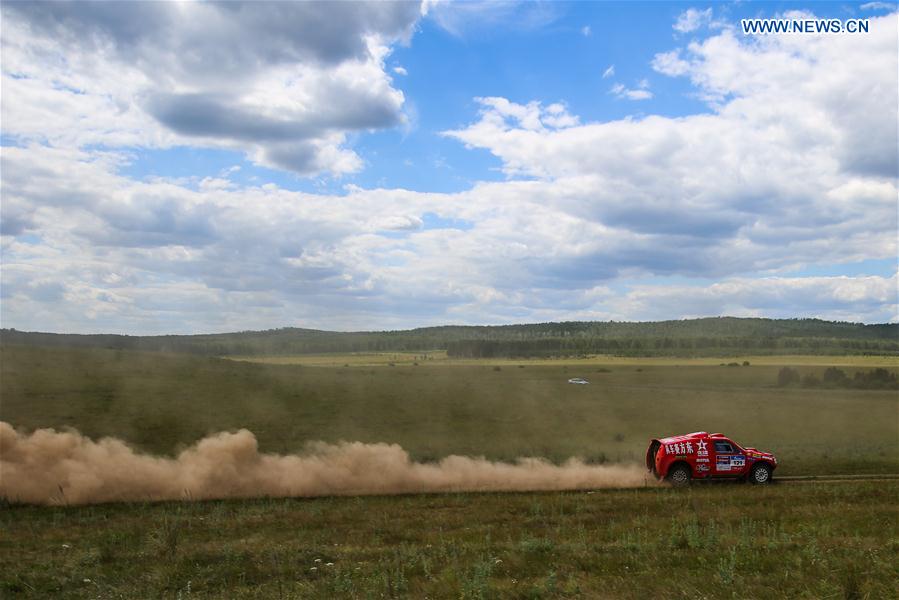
(758, 454)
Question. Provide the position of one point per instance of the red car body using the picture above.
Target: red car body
(701, 455)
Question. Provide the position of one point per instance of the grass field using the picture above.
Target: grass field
(437, 358)
(810, 540)
(836, 540)
(161, 403)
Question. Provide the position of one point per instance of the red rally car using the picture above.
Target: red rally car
(700, 455)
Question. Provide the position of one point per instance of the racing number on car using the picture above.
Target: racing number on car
(726, 460)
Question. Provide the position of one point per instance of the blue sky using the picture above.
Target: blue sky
(392, 165)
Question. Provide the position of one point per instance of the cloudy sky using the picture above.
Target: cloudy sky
(201, 167)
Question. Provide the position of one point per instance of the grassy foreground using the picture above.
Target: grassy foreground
(816, 540)
(163, 402)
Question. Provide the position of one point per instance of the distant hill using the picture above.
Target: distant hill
(693, 337)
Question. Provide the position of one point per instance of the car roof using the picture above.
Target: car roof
(683, 438)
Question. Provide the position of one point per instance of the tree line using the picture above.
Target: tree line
(698, 346)
(689, 337)
(834, 377)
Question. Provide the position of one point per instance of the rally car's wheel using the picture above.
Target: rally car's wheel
(760, 474)
(679, 475)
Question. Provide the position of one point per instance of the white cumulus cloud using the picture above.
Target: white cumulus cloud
(284, 82)
(692, 19)
(878, 6)
(791, 165)
(638, 93)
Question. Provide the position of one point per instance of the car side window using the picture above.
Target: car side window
(723, 448)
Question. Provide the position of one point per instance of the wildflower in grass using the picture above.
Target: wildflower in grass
(87, 580)
(498, 561)
(66, 546)
(329, 564)
(314, 569)
(317, 560)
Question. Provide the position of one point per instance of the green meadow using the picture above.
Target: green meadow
(501, 410)
(815, 540)
(787, 540)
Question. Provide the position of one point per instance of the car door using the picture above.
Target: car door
(729, 460)
(704, 458)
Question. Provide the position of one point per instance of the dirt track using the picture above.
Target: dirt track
(813, 478)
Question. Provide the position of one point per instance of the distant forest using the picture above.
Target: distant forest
(695, 337)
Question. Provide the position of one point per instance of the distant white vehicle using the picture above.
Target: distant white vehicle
(578, 381)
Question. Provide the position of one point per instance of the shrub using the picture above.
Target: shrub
(878, 379)
(835, 377)
(787, 376)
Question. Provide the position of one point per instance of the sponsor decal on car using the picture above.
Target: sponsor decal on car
(702, 448)
(679, 448)
(730, 462)
(702, 460)
(702, 468)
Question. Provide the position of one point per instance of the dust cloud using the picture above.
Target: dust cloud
(64, 467)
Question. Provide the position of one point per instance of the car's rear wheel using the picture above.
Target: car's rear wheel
(760, 474)
(679, 475)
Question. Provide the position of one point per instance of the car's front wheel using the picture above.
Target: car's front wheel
(760, 474)
(679, 475)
